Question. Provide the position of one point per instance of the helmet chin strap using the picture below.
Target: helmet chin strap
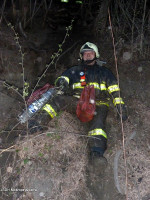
(86, 62)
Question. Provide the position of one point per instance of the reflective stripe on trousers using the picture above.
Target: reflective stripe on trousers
(48, 108)
(97, 131)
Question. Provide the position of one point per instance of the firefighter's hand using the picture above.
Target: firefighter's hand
(122, 112)
(62, 85)
(66, 89)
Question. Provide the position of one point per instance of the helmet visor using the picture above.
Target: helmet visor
(85, 50)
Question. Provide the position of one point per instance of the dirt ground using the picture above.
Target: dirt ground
(54, 164)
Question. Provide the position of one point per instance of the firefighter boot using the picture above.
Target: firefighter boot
(98, 163)
(98, 160)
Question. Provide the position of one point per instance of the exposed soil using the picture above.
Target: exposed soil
(54, 164)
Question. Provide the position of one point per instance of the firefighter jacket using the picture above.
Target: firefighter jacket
(104, 82)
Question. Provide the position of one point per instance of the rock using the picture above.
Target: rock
(30, 163)
(39, 59)
(140, 69)
(41, 194)
(126, 56)
(9, 169)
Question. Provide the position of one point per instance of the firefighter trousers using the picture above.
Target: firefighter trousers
(97, 139)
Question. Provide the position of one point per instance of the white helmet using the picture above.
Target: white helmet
(89, 46)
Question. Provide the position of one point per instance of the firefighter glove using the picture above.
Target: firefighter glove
(64, 87)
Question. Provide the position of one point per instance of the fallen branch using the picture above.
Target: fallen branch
(8, 149)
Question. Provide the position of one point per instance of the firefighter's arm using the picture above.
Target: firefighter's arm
(114, 91)
(118, 102)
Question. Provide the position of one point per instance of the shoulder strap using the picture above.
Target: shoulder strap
(100, 62)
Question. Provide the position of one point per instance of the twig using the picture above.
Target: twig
(56, 132)
(25, 84)
(53, 57)
(3, 7)
(142, 29)
(11, 87)
(33, 11)
(1, 180)
(30, 8)
(122, 128)
(47, 8)
(65, 52)
(13, 129)
(50, 4)
(127, 16)
(6, 150)
(22, 31)
(33, 14)
(132, 30)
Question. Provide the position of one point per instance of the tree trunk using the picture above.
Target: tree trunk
(149, 23)
(101, 19)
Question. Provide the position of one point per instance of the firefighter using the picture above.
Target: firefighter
(73, 80)
(106, 86)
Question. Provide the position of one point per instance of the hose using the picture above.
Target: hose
(116, 163)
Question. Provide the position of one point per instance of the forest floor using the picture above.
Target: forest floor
(54, 164)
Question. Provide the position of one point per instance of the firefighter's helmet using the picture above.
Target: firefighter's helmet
(89, 46)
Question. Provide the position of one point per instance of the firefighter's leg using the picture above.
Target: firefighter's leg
(40, 121)
(60, 103)
(98, 138)
(52, 108)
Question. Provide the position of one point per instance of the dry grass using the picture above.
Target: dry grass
(53, 164)
(56, 159)
(137, 155)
